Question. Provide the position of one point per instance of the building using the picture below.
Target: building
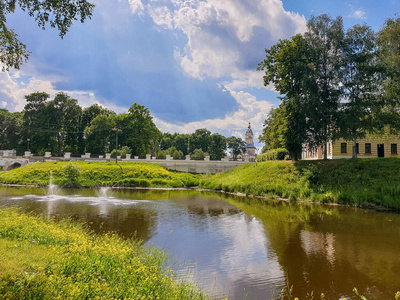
(370, 147)
(250, 150)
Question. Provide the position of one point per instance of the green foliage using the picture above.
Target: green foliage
(274, 154)
(71, 172)
(176, 154)
(198, 154)
(367, 182)
(121, 152)
(236, 145)
(75, 264)
(101, 174)
(161, 154)
(59, 14)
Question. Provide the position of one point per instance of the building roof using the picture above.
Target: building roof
(250, 146)
(249, 129)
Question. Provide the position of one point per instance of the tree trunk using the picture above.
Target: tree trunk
(354, 155)
(325, 149)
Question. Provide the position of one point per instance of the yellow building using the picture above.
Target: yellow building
(369, 147)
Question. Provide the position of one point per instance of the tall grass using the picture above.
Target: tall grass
(100, 174)
(74, 264)
(361, 182)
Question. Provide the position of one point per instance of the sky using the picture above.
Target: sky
(192, 63)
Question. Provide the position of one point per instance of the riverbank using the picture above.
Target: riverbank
(44, 259)
(361, 182)
(95, 174)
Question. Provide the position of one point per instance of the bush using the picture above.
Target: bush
(121, 152)
(71, 172)
(198, 154)
(274, 154)
(161, 154)
(176, 154)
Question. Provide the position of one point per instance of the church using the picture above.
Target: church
(250, 150)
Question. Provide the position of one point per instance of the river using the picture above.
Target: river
(241, 248)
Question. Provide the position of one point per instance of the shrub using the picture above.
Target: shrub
(198, 154)
(161, 154)
(71, 172)
(121, 152)
(274, 154)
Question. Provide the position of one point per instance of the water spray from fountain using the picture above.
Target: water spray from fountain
(53, 188)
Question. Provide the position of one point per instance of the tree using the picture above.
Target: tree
(10, 129)
(360, 82)
(65, 115)
(198, 154)
(237, 146)
(306, 71)
(137, 129)
(217, 146)
(59, 14)
(274, 131)
(99, 135)
(388, 42)
(36, 123)
(287, 65)
(325, 38)
(200, 139)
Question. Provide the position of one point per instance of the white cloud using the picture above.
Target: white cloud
(136, 6)
(233, 124)
(359, 14)
(14, 94)
(220, 32)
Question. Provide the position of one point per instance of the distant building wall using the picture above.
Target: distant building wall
(370, 147)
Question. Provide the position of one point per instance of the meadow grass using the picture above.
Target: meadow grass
(42, 259)
(93, 174)
(360, 182)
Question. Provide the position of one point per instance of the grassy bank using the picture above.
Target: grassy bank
(91, 174)
(41, 259)
(363, 182)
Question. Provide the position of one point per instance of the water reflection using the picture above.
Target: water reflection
(332, 249)
(244, 248)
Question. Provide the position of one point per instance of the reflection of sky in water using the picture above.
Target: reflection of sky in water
(231, 252)
(249, 254)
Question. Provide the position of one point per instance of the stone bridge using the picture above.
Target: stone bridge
(12, 163)
(9, 161)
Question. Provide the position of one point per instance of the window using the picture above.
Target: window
(393, 147)
(368, 148)
(343, 147)
(357, 148)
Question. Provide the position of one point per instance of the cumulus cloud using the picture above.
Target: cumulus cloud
(357, 13)
(220, 33)
(13, 90)
(234, 124)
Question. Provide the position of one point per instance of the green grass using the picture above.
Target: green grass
(361, 182)
(94, 174)
(42, 259)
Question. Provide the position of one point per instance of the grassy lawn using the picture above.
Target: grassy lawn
(42, 259)
(94, 174)
(362, 182)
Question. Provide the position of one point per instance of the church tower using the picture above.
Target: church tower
(250, 149)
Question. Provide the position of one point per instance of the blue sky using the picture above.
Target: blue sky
(191, 62)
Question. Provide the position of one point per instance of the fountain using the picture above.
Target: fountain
(103, 192)
(53, 188)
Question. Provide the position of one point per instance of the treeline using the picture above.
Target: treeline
(60, 125)
(334, 83)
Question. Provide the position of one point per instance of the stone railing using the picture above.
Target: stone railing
(185, 165)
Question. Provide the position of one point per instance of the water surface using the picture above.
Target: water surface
(243, 248)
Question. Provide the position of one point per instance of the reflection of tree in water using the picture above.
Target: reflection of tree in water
(207, 205)
(332, 249)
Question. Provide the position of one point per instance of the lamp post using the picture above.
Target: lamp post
(28, 143)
